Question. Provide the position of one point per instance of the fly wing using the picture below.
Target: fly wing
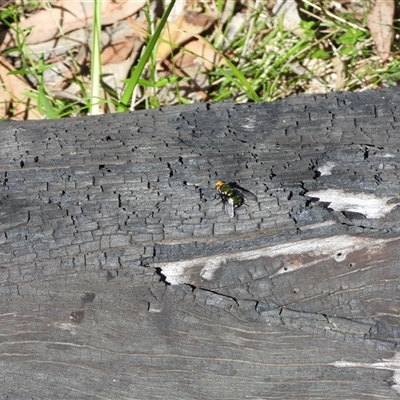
(228, 208)
(247, 193)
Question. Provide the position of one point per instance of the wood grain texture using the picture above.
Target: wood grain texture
(122, 278)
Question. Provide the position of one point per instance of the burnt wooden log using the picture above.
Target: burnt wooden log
(122, 277)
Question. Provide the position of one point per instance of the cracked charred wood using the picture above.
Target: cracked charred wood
(122, 276)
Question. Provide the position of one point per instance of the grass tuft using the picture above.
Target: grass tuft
(247, 53)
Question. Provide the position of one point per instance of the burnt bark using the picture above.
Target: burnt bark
(122, 277)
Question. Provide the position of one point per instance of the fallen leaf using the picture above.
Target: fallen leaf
(71, 15)
(118, 57)
(195, 53)
(181, 30)
(380, 24)
(121, 40)
(12, 93)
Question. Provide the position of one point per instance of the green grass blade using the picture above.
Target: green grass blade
(137, 71)
(44, 104)
(95, 67)
(234, 75)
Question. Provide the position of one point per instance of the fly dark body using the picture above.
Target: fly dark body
(232, 196)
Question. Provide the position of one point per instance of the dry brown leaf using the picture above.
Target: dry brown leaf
(181, 30)
(194, 60)
(73, 15)
(138, 27)
(196, 53)
(118, 56)
(118, 50)
(380, 24)
(12, 91)
(121, 39)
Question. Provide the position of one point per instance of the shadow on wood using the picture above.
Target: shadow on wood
(122, 277)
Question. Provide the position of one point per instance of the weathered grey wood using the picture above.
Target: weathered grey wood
(122, 278)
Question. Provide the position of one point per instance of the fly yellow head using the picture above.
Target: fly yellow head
(219, 185)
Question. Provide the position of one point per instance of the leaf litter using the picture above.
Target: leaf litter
(60, 36)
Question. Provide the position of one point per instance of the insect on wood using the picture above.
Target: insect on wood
(232, 196)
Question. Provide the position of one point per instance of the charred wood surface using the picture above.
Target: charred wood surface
(122, 278)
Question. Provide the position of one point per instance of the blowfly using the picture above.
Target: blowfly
(232, 196)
